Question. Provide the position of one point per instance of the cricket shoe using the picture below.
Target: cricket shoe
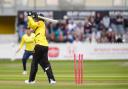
(29, 82)
(52, 81)
(24, 72)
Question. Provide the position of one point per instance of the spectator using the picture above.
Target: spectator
(119, 24)
(106, 21)
(126, 24)
(70, 37)
(79, 31)
(103, 38)
(22, 24)
(92, 23)
(98, 19)
(113, 24)
(125, 37)
(119, 39)
(71, 26)
(87, 30)
(111, 36)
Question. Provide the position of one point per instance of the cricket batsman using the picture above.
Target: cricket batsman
(40, 56)
(28, 41)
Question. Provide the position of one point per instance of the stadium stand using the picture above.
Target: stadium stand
(104, 29)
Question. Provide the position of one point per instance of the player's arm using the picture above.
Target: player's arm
(21, 45)
(31, 23)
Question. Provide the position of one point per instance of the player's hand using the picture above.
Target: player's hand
(29, 13)
(17, 50)
(34, 15)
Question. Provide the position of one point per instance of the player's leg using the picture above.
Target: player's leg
(26, 55)
(33, 70)
(46, 65)
(34, 64)
(24, 59)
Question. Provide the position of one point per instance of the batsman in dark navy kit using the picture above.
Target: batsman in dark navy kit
(40, 55)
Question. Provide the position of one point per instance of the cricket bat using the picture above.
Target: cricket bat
(48, 19)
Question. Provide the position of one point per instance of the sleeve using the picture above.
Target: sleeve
(41, 23)
(22, 43)
(31, 23)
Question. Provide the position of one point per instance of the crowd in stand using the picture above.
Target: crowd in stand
(99, 29)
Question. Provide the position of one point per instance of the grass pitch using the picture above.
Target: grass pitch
(111, 74)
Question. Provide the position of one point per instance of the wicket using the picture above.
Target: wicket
(78, 68)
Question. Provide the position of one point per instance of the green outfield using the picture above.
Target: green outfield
(97, 75)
